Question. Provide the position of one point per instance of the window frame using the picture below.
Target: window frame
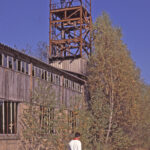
(8, 117)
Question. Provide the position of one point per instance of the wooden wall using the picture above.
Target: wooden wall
(17, 86)
(74, 65)
(14, 85)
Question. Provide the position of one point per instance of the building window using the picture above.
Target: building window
(33, 71)
(10, 62)
(19, 65)
(5, 60)
(1, 59)
(46, 119)
(15, 64)
(49, 76)
(73, 86)
(23, 66)
(72, 120)
(45, 75)
(52, 77)
(67, 83)
(27, 68)
(8, 117)
(57, 79)
(79, 87)
(37, 72)
(40, 71)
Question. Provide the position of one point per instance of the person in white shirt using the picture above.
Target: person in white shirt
(75, 144)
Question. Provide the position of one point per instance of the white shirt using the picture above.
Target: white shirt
(75, 145)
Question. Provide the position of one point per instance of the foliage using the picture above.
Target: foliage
(114, 85)
(44, 121)
(115, 118)
(142, 130)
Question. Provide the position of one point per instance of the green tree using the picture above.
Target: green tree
(114, 86)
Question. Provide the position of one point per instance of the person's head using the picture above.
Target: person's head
(77, 135)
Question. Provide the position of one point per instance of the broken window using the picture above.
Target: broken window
(66, 83)
(19, 65)
(27, 68)
(57, 79)
(33, 71)
(40, 71)
(52, 77)
(72, 120)
(23, 66)
(1, 59)
(8, 117)
(37, 72)
(10, 62)
(46, 119)
(49, 76)
(45, 75)
(73, 86)
(5, 60)
(15, 64)
(79, 87)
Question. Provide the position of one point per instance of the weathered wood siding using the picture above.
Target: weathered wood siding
(63, 95)
(14, 85)
(73, 65)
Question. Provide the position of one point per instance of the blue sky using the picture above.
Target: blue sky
(25, 22)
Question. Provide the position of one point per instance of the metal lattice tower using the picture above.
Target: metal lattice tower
(70, 28)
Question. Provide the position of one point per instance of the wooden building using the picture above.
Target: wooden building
(70, 25)
(19, 76)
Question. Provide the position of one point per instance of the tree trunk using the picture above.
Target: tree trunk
(111, 110)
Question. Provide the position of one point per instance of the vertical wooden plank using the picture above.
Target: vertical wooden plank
(15, 119)
(11, 116)
(7, 118)
(3, 118)
(12, 63)
(7, 61)
(20, 66)
(25, 67)
(16, 64)
(62, 89)
(31, 80)
(2, 59)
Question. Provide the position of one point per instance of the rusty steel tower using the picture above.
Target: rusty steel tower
(70, 28)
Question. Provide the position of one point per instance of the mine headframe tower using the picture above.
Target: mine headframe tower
(70, 28)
